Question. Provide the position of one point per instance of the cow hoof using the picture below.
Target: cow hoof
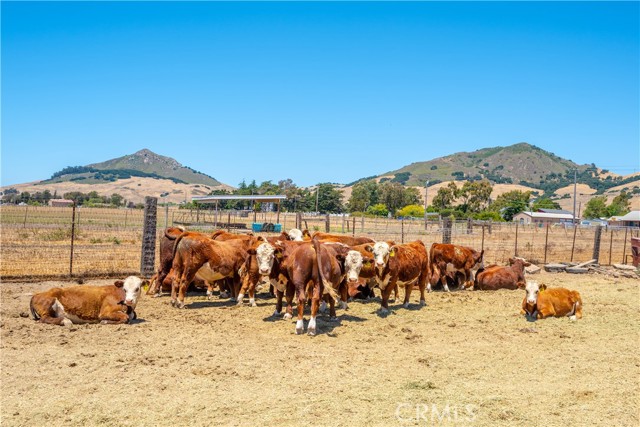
(288, 316)
(405, 305)
(333, 319)
(224, 294)
(323, 307)
(276, 313)
(233, 299)
(383, 311)
(311, 332)
(173, 303)
(239, 303)
(156, 295)
(103, 322)
(573, 318)
(299, 327)
(180, 304)
(423, 302)
(252, 302)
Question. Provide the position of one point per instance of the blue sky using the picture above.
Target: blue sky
(315, 92)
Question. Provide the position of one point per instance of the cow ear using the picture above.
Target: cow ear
(278, 253)
(367, 261)
(368, 248)
(527, 264)
(251, 251)
(543, 287)
(119, 283)
(511, 261)
(392, 251)
(340, 258)
(391, 243)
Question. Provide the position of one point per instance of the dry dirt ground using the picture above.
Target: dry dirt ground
(467, 358)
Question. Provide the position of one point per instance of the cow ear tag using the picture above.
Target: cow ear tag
(145, 287)
(392, 254)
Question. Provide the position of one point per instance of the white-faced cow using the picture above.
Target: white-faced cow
(540, 302)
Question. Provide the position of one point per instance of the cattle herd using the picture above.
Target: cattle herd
(319, 268)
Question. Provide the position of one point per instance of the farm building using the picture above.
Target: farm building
(553, 211)
(60, 203)
(543, 218)
(632, 219)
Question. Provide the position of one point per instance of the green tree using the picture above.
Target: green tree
(620, 205)
(363, 195)
(596, 207)
(446, 196)
(411, 210)
(329, 198)
(474, 195)
(116, 199)
(392, 195)
(511, 203)
(545, 203)
(378, 209)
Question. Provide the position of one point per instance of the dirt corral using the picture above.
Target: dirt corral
(467, 358)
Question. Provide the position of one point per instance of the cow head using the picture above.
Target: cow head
(265, 255)
(295, 235)
(478, 261)
(132, 287)
(353, 265)
(533, 289)
(381, 252)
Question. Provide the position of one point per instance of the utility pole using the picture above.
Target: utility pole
(575, 183)
(317, 191)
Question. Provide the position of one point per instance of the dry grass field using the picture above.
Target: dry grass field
(467, 358)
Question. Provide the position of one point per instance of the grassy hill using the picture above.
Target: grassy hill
(143, 163)
(522, 164)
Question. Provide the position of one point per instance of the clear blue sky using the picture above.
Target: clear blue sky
(315, 92)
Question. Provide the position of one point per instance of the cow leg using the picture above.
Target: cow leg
(48, 310)
(113, 315)
(386, 292)
(289, 295)
(301, 302)
(407, 295)
(279, 295)
(315, 304)
(421, 285)
(344, 295)
(443, 281)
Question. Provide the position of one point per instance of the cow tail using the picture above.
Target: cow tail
(34, 313)
(175, 245)
(327, 285)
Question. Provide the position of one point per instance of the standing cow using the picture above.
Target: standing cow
(448, 260)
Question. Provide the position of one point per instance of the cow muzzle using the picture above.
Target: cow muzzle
(264, 271)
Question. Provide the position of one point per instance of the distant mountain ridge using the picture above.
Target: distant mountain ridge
(143, 163)
(521, 163)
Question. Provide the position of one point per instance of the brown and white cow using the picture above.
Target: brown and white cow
(363, 265)
(88, 304)
(167, 242)
(403, 265)
(540, 302)
(295, 234)
(258, 266)
(500, 277)
(212, 260)
(341, 238)
(448, 260)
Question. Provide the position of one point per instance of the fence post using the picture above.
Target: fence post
(596, 243)
(298, 220)
(327, 224)
(148, 255)
(166, 216)
(73, 234)
(342, 223)
(482, 244)
(624, 246)
(446, 230)
(24, 224)
(229, 221)
(573, 245)
(516, 249)
(353, 229)
(546, 239)
(469, 226)
(362, 224)
(610, 246)
(402, 230)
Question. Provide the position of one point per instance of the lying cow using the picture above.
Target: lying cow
(541, 302)
(447, 260)
(341, 238)
(88, 304)
(498, 277)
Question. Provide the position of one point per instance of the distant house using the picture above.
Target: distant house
(553, 211)
(632, 219)
(60, 203)
(543, 218)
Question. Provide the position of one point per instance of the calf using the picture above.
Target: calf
(448, 260)
(497, 277)
(167, 242)
(541, 302)
(404, 265)
(341, 238)
(212, 260)
(88, 304)
(295, 234)
(363, 265)
(258, 265)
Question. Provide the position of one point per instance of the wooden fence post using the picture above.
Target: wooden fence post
(446, 230)
(546, 239)
(327, 224)
(610, 246)
(402, 230)
(482, 244)
(148, 255)
(596, 243)
(353, 229)
(516, 249)
(624, 246)
(73, 235)
(573, 245)
(469, 226)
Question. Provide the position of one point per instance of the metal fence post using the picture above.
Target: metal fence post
(573, 245)
(148, 255)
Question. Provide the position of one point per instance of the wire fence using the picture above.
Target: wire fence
(44, 242)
